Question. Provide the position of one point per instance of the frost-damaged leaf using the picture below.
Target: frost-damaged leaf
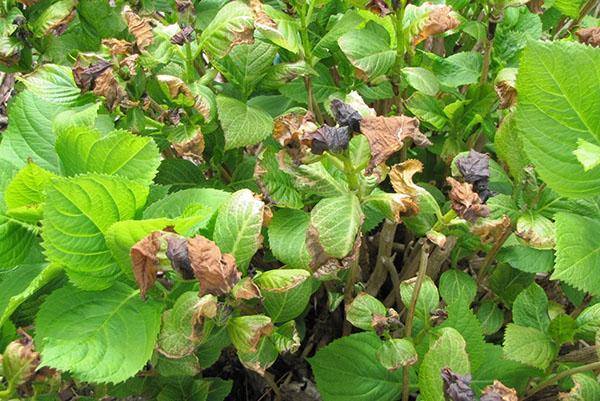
(327, 138)
(362, 311)
(85, 75)
(204, 309)
(439, 21)
(536, 230)
(505, 85)
(378, 7)
(465, 202)
(191, 150)
(291, 127)
(54, 19)
(499, 392)
(185, 35)
(589, 36)
(397, 353)
(246, 332)
(286, 292)
(457, 387)
(216, 272)
(177, 337)
(585, 388)
(346, 115)
(140, 28)
(19, 360)
(475, 169)
(106, 85)
(145, 262)
(326, 267)
(117, 46)
(386, 136)
(245, 290)
(491, 231)
(233, 25)
(401, 177)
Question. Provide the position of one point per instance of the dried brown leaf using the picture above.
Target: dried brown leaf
(245, 289)
(261, 18)
(183, 5)
(86, 76)
(177, 253)
(140, 28)
(378, 7)
(490, 231)
(131, 63)
(386, 136)
(191, 149)
(327, 138)
(216, 272)
(185, 35)
(118, 46)
(507, 94)
(205, 308)
(323, 265)
(145, 262)
(291, 127)
(59, 27)
(401, 177)
(346, 115)
(439, 21)
(499, 392)
(107, 85)
(465, 201)
(589, 36)
(536, 6)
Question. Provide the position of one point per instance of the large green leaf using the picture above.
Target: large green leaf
(457, 287)
(529, 346)
(278, 184)
(22, 282)
(54, 83)
(461, 318)
(287, 237)
(78, 213)
(29, 134)
(458, 69)
(555, 111)
(448, 351)
(285, 292)
(578, 251)
(369, 49)
(110, 344)
(348, 370)
(337, 221)
(530, 308)
(25, 194)
(84, 150)
(16, 241)
(238, 225)
(243, 125)
(232, 23)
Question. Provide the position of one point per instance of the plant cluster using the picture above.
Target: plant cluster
(300, 200)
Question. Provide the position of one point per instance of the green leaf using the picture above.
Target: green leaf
(16, 242)
(507, 282)
(346, 23)
(84, 150)
(285, 292)
(123, 235)
(363, 309)
(369, 49)
(588, 154)
(22, 282)
(104, 20)
(585, 388)
(112, 343)
(530, 308)
(359, 152)
(491, 317)
(448, 351)
(509, 146)
(175, 205)
(422, 80)
(577, 252)
(54, 83)
(176, 338)
(428, 109)
(554, 112)
(29, 134)
(526, 258)
(458, 69)
(457, 287)
(588, 323)
(562, 329)
(231, 24)
(25, 194)
(348, 370)
(287, 237)
(78, 213)
(243, 125)
(278, 185)
(337, 222)
(82, 116)
(396, 353)
(238, 225)
(428, 296)
(570, 8)
(529, 346)
(285, 34)
(462, 319)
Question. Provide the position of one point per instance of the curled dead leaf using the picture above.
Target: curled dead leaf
(118, 46)
(589, 36)
(191, 150)
(465, 202)
(327, 138)
(175, 86)
(185, 35)
(216, 272)
(457, 387)
(145, 262)
(107, 85)
(507, 94)
(490, 231)
(378, 7)
(130, 62)
(205, 308)
(291, 127)
(245, 289)
(439, 21)
(475, 169)
(323, 265)
(140, 28)
(177, 253)
(401, 177)
(86, 76)
(386, 135)
(499, 392)
(346, 115)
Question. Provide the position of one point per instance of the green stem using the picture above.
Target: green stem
(190, 71)
(400, 50)
(305, 17)
(8, 392)
(444, 220)
(560, 376)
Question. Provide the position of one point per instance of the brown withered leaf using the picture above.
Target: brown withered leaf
(144, 258)
(107, 85)
(261, 19)
(438, 21)
(85, 76)
(401, 177)
(205, 308)
(378, 7)
(202, 107)
(140, 28)
(246, 290)
(177, 253)
(183, 5)
(291, 127)
(20, 360)
(192, 149)
(386, 135)
(465, 201)
(507, 94)
(327, 138)
(216, 272)
(536, 6)
(323, 265)
(117, 46)
(589, 36)
(457, 387)
(243, 36)
(499, 392)
(59, 27)
(176, 87)
(490, 231)
(185, 35)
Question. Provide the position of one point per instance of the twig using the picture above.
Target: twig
(560, 376)
(386, 244)
(271, 382)
(348, 293)
(411, 314)
(491, 255)
(395, 280)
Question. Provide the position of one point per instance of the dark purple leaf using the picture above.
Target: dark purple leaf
(346, 115)
(457, 387)
(333, 139)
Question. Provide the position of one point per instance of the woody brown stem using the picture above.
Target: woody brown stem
(386, 244)
(349, 293)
